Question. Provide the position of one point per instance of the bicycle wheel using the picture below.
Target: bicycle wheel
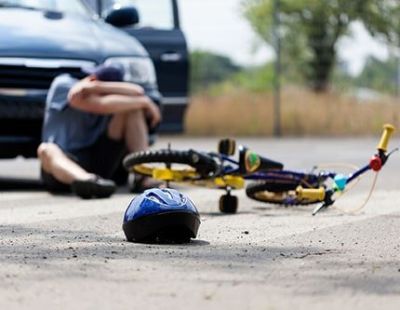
(277, 192)
(181, 165)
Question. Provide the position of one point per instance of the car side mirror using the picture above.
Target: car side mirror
(122, 17)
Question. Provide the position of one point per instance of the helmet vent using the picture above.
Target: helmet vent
(155, 198)
(168, 193)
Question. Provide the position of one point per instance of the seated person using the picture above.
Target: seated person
(89, 126)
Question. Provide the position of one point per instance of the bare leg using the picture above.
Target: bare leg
(116, 127)
(56, 163)
(136, 134)
(130, 127)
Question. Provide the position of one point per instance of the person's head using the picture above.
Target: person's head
(106, 73)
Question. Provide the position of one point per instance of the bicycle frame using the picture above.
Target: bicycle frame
(230, 176)
(234, 170)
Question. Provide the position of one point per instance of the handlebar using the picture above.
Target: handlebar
(312, 194)
(326, 195)
(386, 135)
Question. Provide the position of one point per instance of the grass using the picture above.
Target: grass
(242, 113)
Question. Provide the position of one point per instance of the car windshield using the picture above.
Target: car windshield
(70, 6)
(153, 14)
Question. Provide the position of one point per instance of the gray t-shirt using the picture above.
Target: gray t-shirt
(71, 129)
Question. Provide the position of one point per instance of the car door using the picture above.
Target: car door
(160, 33)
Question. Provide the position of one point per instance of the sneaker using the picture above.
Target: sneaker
(93, 188)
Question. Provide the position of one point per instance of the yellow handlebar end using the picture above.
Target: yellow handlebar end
(388, 130)
(311, 194)
(389, 127)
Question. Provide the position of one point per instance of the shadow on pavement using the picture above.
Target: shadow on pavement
(32, 245)
(19, 184)
(59, 251)
(220, 214)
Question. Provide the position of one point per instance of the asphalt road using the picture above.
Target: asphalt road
(63, 253)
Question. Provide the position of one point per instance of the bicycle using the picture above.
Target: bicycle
(291, 188)
(274, 185)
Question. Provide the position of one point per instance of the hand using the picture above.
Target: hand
(153, 113)
(80, 89)
(137, 89)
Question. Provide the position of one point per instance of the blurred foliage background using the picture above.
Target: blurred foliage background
(311, 73)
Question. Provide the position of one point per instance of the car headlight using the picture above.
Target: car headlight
(137, 70)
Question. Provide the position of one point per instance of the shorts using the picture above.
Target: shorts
(104, 158)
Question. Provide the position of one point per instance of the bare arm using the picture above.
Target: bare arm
(111, 98)
(115, 103)
(120, 88)
(88, 86)
(110, 104)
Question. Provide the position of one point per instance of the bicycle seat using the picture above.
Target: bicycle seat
(250, 162)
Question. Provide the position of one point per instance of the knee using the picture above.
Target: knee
(41, 150)
(46, 151)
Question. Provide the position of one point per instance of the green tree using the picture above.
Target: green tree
(310, 30)
(209, 68)
(380, 75)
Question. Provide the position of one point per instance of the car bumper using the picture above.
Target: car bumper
(20, 125)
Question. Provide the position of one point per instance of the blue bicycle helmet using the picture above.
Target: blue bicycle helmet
(161, 216)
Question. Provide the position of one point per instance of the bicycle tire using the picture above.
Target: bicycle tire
(277, 192)
(204, 166)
